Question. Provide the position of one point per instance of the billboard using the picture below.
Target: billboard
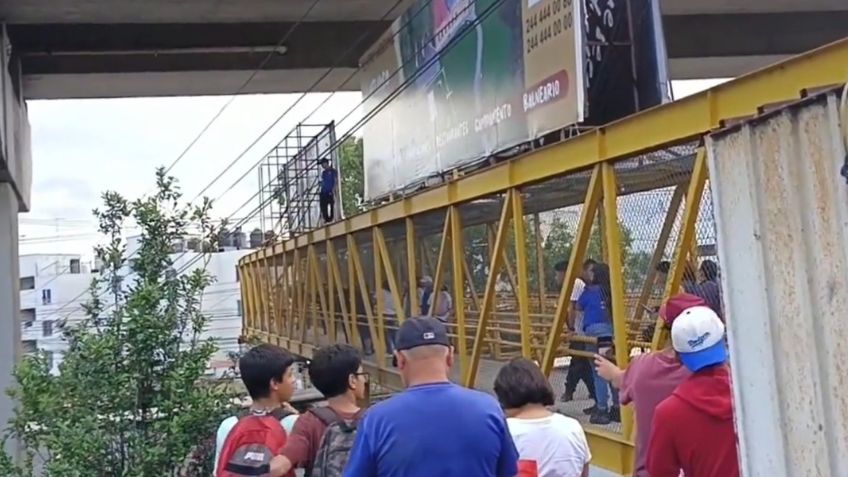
(458, 80)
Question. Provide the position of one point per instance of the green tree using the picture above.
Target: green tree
(130, 399)
(352, 174)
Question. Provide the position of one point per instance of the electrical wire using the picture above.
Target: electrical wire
(244, 85)
(379, 107)
(309, 90)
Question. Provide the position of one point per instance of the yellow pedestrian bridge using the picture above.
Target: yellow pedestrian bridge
(634, 194)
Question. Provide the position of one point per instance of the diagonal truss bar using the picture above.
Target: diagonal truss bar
(578, 251)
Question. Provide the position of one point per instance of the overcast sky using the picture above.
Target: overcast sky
(84, 147)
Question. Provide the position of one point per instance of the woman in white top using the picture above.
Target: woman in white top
(549, 444)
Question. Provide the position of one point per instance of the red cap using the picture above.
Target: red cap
(677, 304)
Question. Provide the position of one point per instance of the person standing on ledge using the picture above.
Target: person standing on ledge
(327, 194)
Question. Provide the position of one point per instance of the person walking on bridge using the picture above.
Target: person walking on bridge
(434, 427)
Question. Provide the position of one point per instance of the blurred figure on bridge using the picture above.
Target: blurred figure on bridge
(580, 368)
(693, 429)
(650, 378)
(595, 303)
(549, 444)
(434, 427)
(327, 193)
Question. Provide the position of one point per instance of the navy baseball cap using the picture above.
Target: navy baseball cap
(423, 331)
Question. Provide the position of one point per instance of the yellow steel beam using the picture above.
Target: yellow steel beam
(489, 292)
(280, 294)
(299, 294)
(347, 317)
(294, 289)
(458, 258)
(495, 337)
(670, 123)
(380, 245)
(380, 297)
(686, 236)
(312, 283)
(265, 291)
(411, 267)
(475, 299)
(440, 264)
(379, 345)
(612, 237)
(245, 306)
(257, 303)
(540, 262)
(510, 275)
(356, 339)
(331, 288)
(523, 291)
(578, 250)
(323, 307)
(659, 251)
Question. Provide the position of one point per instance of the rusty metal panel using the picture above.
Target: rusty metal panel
(781, 210)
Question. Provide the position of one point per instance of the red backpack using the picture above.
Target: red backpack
(251, 444)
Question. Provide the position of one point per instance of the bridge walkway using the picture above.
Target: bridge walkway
(634, 194)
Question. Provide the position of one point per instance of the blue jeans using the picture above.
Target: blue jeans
(603, 388)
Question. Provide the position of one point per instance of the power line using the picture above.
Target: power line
(311, 88)
(244, 85)
(476, 22)
(379, 107)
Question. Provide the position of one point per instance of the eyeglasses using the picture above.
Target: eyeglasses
(364, 375)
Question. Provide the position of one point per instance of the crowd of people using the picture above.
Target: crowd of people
(680, 395)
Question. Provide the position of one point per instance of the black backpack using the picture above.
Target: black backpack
(336, 444)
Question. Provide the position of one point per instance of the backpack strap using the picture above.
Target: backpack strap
(281, 413)
(326, 414)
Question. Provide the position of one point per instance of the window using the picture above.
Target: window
(28, 317)
(240, 311)
(47, 328)
(48, 355)
(75, 265)
(27, 283)
(46, 296)
(28, 347)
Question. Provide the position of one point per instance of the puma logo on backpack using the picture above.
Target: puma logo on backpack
(250, 446)
(335, 446)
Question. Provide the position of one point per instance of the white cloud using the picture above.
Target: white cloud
(84, 147)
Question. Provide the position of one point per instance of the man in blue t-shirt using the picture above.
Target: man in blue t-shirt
(434, 428)
(326, 195)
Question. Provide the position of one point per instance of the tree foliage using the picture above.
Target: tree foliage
(352, 175)
(130, 398)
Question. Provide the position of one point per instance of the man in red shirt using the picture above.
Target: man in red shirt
(650, 378)
(693, 429)
(335, 371)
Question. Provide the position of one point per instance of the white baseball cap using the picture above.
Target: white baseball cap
(698, 337)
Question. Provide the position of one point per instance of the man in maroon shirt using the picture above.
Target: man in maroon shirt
(335, 371)
(650, 378)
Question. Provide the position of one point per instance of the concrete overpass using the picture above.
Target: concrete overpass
(106, 48)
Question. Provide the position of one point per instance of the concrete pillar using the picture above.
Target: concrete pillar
(10, 327)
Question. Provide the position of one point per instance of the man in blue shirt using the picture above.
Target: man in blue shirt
(434, 428)
(326, 195)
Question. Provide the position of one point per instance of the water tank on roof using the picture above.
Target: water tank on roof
(239, 239)
(256, 237)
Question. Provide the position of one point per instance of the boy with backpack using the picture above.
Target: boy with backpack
(246, 444)
(323, 437)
